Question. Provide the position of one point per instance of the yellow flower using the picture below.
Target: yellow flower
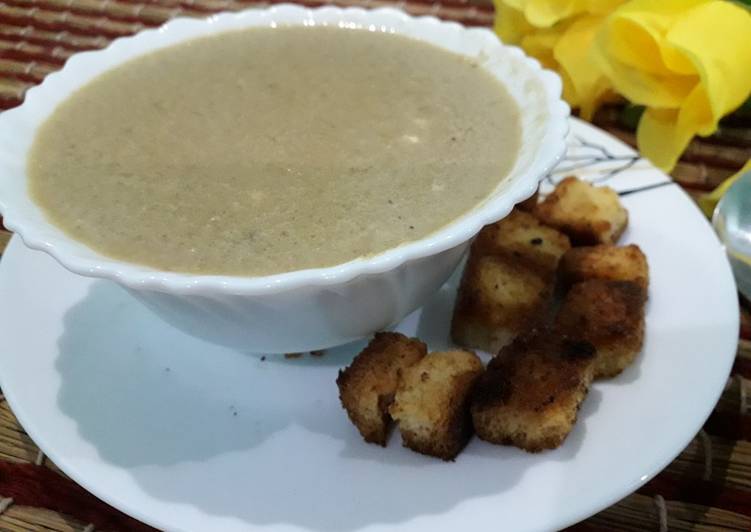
(687, 61)
(560, 34)
(709, 201)
(545, 13)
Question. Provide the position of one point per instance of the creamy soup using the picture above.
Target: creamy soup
(269, 150)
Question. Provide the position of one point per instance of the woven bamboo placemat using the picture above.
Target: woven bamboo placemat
(708, 487)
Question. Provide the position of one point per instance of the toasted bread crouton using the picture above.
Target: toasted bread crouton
(614, 263)
(432, 403)
(367, 386)
(610, 315)
(530, 203)
(521, 237)
(587, 214)
(508, 283)
(498, 299)
(530, 393)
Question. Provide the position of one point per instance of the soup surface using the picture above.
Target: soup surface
(269, 150)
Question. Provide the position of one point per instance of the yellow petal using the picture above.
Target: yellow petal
(659, 138)
(656, 18)
(656, 51)
(541, 44)
(695, 113)
(545, 13)
(603, 7)
(688, 61)
(516, 4)
(628, 50)
(573, 51)
(643, 88)
(634, 41)
(715, 38)
(709, 201)
(510, 24)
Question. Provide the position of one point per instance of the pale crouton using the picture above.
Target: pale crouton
(586, 213)
(498, 299)
(508, 283)
(521, 237)
(367, 386)
(530, 393)
(610, 315)
(432, 403)
(614, 263)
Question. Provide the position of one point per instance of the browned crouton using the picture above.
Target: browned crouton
(530, 203)
(498, 299)
(530, 393)
(521, 237)
(610, 315)
(614, 263)
(587, 214)
(367, 386)
(432, 403)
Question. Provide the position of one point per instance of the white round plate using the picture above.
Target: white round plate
(185, 435)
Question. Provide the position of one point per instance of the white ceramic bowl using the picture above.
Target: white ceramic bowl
(307, 309)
